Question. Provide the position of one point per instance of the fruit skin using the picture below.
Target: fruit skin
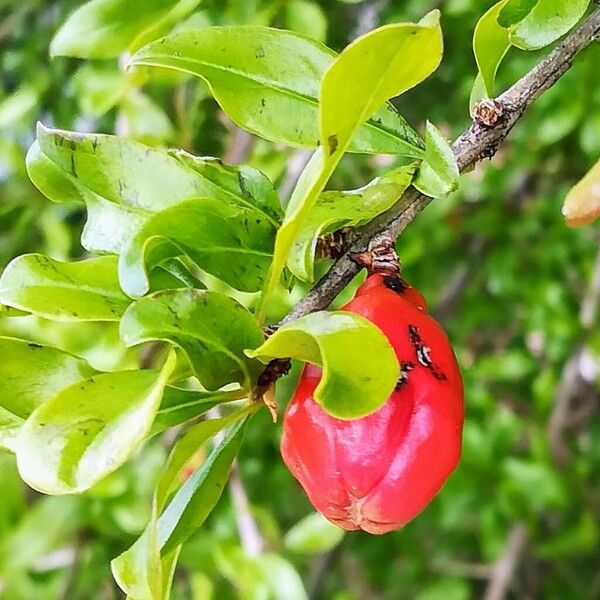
(378, 472)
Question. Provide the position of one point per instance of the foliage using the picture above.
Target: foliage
(133, 302)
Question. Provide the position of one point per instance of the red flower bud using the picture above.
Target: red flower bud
(378, 472)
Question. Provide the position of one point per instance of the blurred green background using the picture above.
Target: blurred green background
(516, 289)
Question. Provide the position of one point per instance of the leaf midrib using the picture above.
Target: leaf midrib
(285, 91)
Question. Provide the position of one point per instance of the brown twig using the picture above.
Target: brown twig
(479, 141)
(504, 570)
(574, 384)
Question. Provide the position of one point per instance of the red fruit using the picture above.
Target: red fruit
(378, 472)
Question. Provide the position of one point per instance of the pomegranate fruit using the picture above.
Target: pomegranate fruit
(378, 472)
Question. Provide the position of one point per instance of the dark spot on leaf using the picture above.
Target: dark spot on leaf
(73, 169)
(34, 346)
(260, 52)
(332, 141)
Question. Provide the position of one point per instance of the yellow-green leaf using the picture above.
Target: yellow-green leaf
(360, 368)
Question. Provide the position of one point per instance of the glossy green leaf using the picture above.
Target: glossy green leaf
(334, 210)
(173, 273)
(8, 311)
(107, 28)
(267, 81)
(87, 290)
(381, 64)
(140, 571)
(124, 182)
(187, 445)
(313, 535)
(514, 11)
(582, 204)
(196, 498)
(360, 368)
(384, 63)
(213, 330)
(546, 22)
(240, 185)
(30, 374)
(89, 429)
(438, 173)
(526, 24)
(490, 44)
(179, 405)
(232, 244)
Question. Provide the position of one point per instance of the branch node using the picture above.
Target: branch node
(264, 390)
(269, 330)
(332, 245)
(380, 257)
(488, 112)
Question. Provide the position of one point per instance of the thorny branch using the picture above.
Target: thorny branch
(481, 140)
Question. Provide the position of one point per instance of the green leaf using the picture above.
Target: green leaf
(514, 11)
(526, 24)
(381, 64)
(384, 63)
(140, 571)
(144, 120)
(179, 405)
(7, 311)
(334, 210)
(360, 368)
(313, 535)
(242, 186)
(30, 374)
(264, 576)
(438, 173)
(87, 290)
(582, 204)
(107, 28)
(187, 445)
(308, 18)
(546, 22)
(15, 106)
(233, 244)
(89, 429)
(213, 330)
(124, 182)
(100, 87)
(490, 45)
(196, 498)
(267, 81)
